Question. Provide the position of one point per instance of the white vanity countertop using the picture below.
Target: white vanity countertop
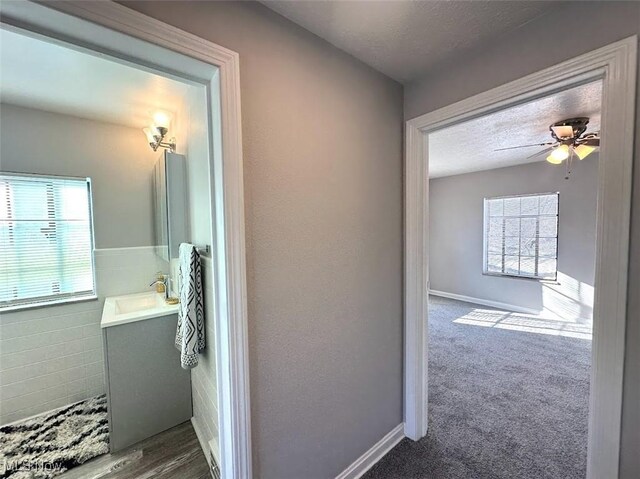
(135, 307)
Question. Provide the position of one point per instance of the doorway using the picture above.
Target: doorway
(615, 66)
(511, 275)
(109, 29)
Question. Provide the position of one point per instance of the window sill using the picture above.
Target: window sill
(46, 304)
(510, 276)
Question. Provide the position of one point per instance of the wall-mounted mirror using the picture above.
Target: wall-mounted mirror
(170, 204)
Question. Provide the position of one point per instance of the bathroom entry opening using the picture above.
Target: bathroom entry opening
(121, 35)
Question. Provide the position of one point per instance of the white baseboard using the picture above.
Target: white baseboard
(485, 302)
(373, 455)
(201, 439)
(215, 449)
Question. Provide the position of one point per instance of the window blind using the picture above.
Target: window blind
(521, 236)
(46, 240)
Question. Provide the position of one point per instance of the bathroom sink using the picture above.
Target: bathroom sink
(135, 307)
(137, 302)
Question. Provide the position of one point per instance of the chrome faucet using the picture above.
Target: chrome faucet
(166, 281)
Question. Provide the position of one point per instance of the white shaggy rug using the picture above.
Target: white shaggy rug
(45, 446)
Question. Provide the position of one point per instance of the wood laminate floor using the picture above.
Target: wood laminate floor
(172, 454)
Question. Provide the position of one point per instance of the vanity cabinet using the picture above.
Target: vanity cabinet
(147, 390)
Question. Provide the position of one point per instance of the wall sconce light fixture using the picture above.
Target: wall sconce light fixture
(157, 132)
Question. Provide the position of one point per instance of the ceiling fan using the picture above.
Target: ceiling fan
(570, 140)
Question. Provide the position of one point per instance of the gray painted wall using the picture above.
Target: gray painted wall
(537, 45)
(456, 236)
(116, 158)
(322, 139)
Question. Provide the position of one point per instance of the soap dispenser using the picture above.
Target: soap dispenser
(160, 286)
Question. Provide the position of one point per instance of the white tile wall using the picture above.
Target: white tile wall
(52, 356)
(203, 376)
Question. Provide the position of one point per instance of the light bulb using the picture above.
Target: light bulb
(149, 133)
(553, 161)
(582, 151)
(155, 130)
(558, 155)
(161, 120)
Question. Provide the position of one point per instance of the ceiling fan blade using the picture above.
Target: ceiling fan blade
(546, 150)
(525, 146)
(563, 131)
(590, 142)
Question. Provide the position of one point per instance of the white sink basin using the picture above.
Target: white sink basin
(135, 307)
(137, 302)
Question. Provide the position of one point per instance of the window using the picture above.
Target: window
(46, 240)
(521, 236)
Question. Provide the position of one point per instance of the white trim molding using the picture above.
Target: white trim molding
(485, 302)
(615, 65)
(373, 455)
(415, 284)
(129, 36)
(202, 440)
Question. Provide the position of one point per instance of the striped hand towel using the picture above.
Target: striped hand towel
(190, 338)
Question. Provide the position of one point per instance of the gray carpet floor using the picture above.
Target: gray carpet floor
(503, 404)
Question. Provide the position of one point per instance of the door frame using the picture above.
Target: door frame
(615, 65)
(108, 28)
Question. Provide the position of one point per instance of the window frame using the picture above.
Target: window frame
(485, 242)
(54, 300)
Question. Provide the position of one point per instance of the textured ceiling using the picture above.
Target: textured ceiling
(471, 146)
(50, 77)
(403, 39)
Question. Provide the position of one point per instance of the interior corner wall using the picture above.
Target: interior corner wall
(322, 145)
(537, 45)
(456, 237)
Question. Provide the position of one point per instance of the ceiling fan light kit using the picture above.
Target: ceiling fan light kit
(569, 140)
(553, 161)
(582, 151)
(558, 155)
